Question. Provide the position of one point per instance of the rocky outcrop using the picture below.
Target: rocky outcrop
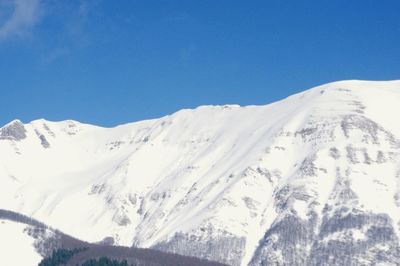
(13, 131)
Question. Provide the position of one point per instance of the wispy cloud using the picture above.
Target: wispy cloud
(24, 15)
(76, 22)
(56, 28)
(72, 33)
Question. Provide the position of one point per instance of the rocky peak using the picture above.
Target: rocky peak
(14, 130)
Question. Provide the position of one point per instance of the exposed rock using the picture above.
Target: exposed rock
(43, 140)
(13, 131)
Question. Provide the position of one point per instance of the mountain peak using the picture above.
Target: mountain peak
(15, 121)
(14, 130)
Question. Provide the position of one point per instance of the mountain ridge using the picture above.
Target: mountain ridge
(326, 86)
(223, 182)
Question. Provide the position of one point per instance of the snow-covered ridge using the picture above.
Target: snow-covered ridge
(231, 176)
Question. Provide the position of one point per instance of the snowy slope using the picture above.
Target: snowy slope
(223, 182)
(16, 245)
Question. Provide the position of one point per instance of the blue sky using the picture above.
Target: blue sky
(111, 62)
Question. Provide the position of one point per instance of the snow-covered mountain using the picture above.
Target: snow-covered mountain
(313, 179)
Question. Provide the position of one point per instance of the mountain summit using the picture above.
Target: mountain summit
(313, 179)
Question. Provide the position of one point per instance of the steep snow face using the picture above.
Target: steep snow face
(291, 183)
(16, 245)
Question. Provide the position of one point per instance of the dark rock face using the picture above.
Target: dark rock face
(44, 142)
(14, 131)
(225, 249)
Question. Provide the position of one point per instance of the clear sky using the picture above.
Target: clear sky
(110, 62)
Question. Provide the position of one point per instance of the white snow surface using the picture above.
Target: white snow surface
(216, 166)
(16, 245)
